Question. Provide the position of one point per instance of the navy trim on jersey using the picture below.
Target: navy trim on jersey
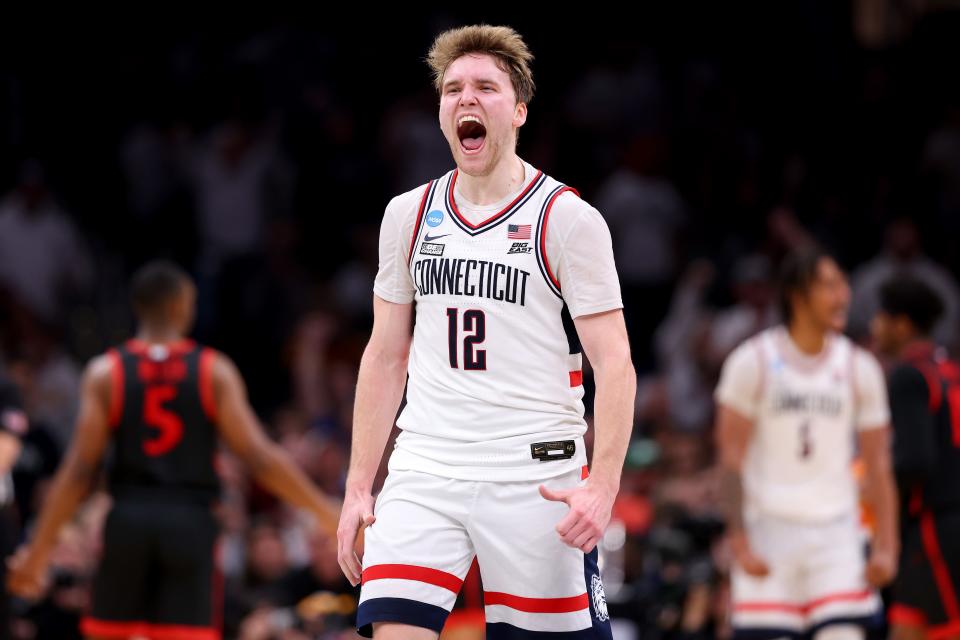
(573, 338)
(498, 219)
(401, 610)
(421, 215)
(536, 245)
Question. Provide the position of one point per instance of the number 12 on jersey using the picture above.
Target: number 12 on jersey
(475, 332)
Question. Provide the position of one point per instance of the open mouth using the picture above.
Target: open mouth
(472, 133)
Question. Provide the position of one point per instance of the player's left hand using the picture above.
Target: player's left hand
(27, 577)
(881, 567)
(590, 509)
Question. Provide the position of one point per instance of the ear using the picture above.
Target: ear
(520, 114)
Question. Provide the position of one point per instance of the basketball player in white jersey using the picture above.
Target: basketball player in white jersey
(794, 402)
(509, 271)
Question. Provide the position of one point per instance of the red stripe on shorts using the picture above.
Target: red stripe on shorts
(411, 572)
(537, 605)
(803, 608)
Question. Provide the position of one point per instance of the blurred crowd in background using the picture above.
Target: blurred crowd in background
(260, 153)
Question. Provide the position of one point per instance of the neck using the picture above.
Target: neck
(158, 335)
(914, 344)
(506, 177)
(807, 337)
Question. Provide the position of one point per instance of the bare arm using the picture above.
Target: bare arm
(604, 339)
(72, 481)
(380, 383)
(10, 447)
(733, 434)
(269, 464)
(882, 495)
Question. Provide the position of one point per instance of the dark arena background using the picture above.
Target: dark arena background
(259, 152)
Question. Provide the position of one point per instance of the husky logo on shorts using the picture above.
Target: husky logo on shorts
(599, 598)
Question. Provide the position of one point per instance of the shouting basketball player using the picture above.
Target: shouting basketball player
(510, 271)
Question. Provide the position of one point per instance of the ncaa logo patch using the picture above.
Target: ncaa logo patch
(434, 218)
(599, 598)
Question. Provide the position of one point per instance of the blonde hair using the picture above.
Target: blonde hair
(503, 43)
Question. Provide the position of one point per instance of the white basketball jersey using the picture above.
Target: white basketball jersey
(495, 368)
(798, 465)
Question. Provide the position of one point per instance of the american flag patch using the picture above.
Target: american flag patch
(518, 231)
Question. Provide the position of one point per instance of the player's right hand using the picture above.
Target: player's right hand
(27, 575)
(743, 555)
(356, 515)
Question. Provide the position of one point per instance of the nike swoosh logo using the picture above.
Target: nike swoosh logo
(429, 238)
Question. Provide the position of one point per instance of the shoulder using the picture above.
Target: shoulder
(905, 372)
(411, 198)
(907, 379)
(103, 367)
(747, 359)
(569, 211)
(747, 353)
(404, 207)
(102, 376)
(864, 362)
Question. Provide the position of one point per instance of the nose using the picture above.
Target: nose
(468, 96)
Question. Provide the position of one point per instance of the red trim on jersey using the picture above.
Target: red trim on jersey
(576, 378)
(111, 629)
(428, 575)
(543, 233)
(906, 616)
(803, 609)
(456, 211)
(584, 472)
(915, 505)
(115, 412)
(950, 373)
(416, 226)
(941, 574)
(205, 375)
(537, 605)
(933, 385)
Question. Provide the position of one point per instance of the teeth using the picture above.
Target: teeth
(468, 119)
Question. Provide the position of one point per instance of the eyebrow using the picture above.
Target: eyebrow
(478, 81)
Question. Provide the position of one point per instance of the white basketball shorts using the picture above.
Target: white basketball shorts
(429, 529)
(816, 579)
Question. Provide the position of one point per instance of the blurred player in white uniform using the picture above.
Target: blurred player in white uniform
(510, 270)
(795, 403)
